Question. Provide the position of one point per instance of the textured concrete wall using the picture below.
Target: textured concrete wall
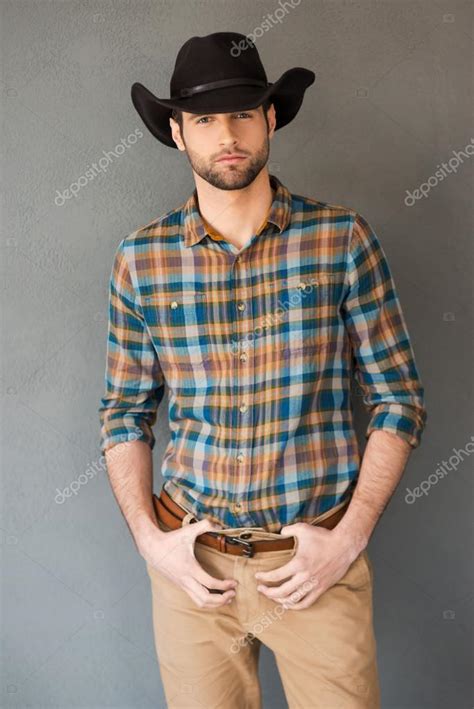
(391, 102)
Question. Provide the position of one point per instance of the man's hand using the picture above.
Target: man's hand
(321, 559)
(172, 554)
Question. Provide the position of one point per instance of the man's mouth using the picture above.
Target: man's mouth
(232, 158)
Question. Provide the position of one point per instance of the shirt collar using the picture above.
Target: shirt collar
(279, 214)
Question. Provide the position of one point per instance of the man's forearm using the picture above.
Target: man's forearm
(130, 470)
(382, 467)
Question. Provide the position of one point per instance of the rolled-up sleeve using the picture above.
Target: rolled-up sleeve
(134, 383)
(384, 362)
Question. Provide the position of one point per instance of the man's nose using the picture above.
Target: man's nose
(227, 135)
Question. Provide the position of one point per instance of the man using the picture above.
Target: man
(256, 307)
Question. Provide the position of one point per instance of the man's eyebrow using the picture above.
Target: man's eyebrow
(190, 116)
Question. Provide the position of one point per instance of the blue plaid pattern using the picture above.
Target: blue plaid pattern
(258, 349)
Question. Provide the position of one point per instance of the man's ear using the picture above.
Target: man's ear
(271, 117)
(176, 134)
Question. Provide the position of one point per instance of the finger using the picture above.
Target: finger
(296, 596)
(210, 581)
(282, 572)
(290, 530)
(285, 589)
(191, 531)
(311, 585)
(204, 599)
(205, 525)
(305, 602)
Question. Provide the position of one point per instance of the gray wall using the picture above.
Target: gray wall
(392, 100)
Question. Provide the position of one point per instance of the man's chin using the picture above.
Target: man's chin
(230, 179)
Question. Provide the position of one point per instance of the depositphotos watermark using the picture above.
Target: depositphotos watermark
(445, 169)
(267, 24)
(269, 617)
(278, 315)
(91, 471)
(97, 167)
(447, 466)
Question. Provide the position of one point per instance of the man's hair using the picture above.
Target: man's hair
(177, 114)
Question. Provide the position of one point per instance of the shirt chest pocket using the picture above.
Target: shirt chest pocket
(176, 319)
(304, 306)
(177, 326)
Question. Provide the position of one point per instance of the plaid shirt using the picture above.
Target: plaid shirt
(258, 348)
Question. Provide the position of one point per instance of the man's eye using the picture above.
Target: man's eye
(242, 113)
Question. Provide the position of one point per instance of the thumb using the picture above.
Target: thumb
(204, 525)
(287, 531)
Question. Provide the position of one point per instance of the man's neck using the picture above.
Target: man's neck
(235, 214)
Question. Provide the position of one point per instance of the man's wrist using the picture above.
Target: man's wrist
(356, 526)
(353, 538)
(353, 531)
(146, 532)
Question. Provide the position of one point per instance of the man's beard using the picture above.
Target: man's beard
(234, 176)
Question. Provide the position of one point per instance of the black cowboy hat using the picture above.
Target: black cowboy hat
(220, 73)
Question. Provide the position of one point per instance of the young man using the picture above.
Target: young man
(256, 307)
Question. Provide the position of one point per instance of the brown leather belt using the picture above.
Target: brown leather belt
(171, 514)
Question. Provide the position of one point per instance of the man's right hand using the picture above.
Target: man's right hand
(172, 554)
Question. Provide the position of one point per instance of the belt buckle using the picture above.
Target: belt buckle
(247, 546)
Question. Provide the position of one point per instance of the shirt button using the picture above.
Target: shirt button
(302, 285)
(240, 457)
(243, 357)
(174, 304)
(241, 306)
(238, 506)
(243, 408)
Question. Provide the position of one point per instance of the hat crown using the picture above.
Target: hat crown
(215, 57)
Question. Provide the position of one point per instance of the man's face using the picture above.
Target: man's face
(208, 137)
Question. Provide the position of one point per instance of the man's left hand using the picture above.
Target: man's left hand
(321, 559)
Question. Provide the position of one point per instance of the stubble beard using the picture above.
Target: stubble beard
(234, 176)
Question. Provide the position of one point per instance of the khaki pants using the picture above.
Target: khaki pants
(208, 659)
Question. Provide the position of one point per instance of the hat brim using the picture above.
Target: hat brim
(286, 94)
